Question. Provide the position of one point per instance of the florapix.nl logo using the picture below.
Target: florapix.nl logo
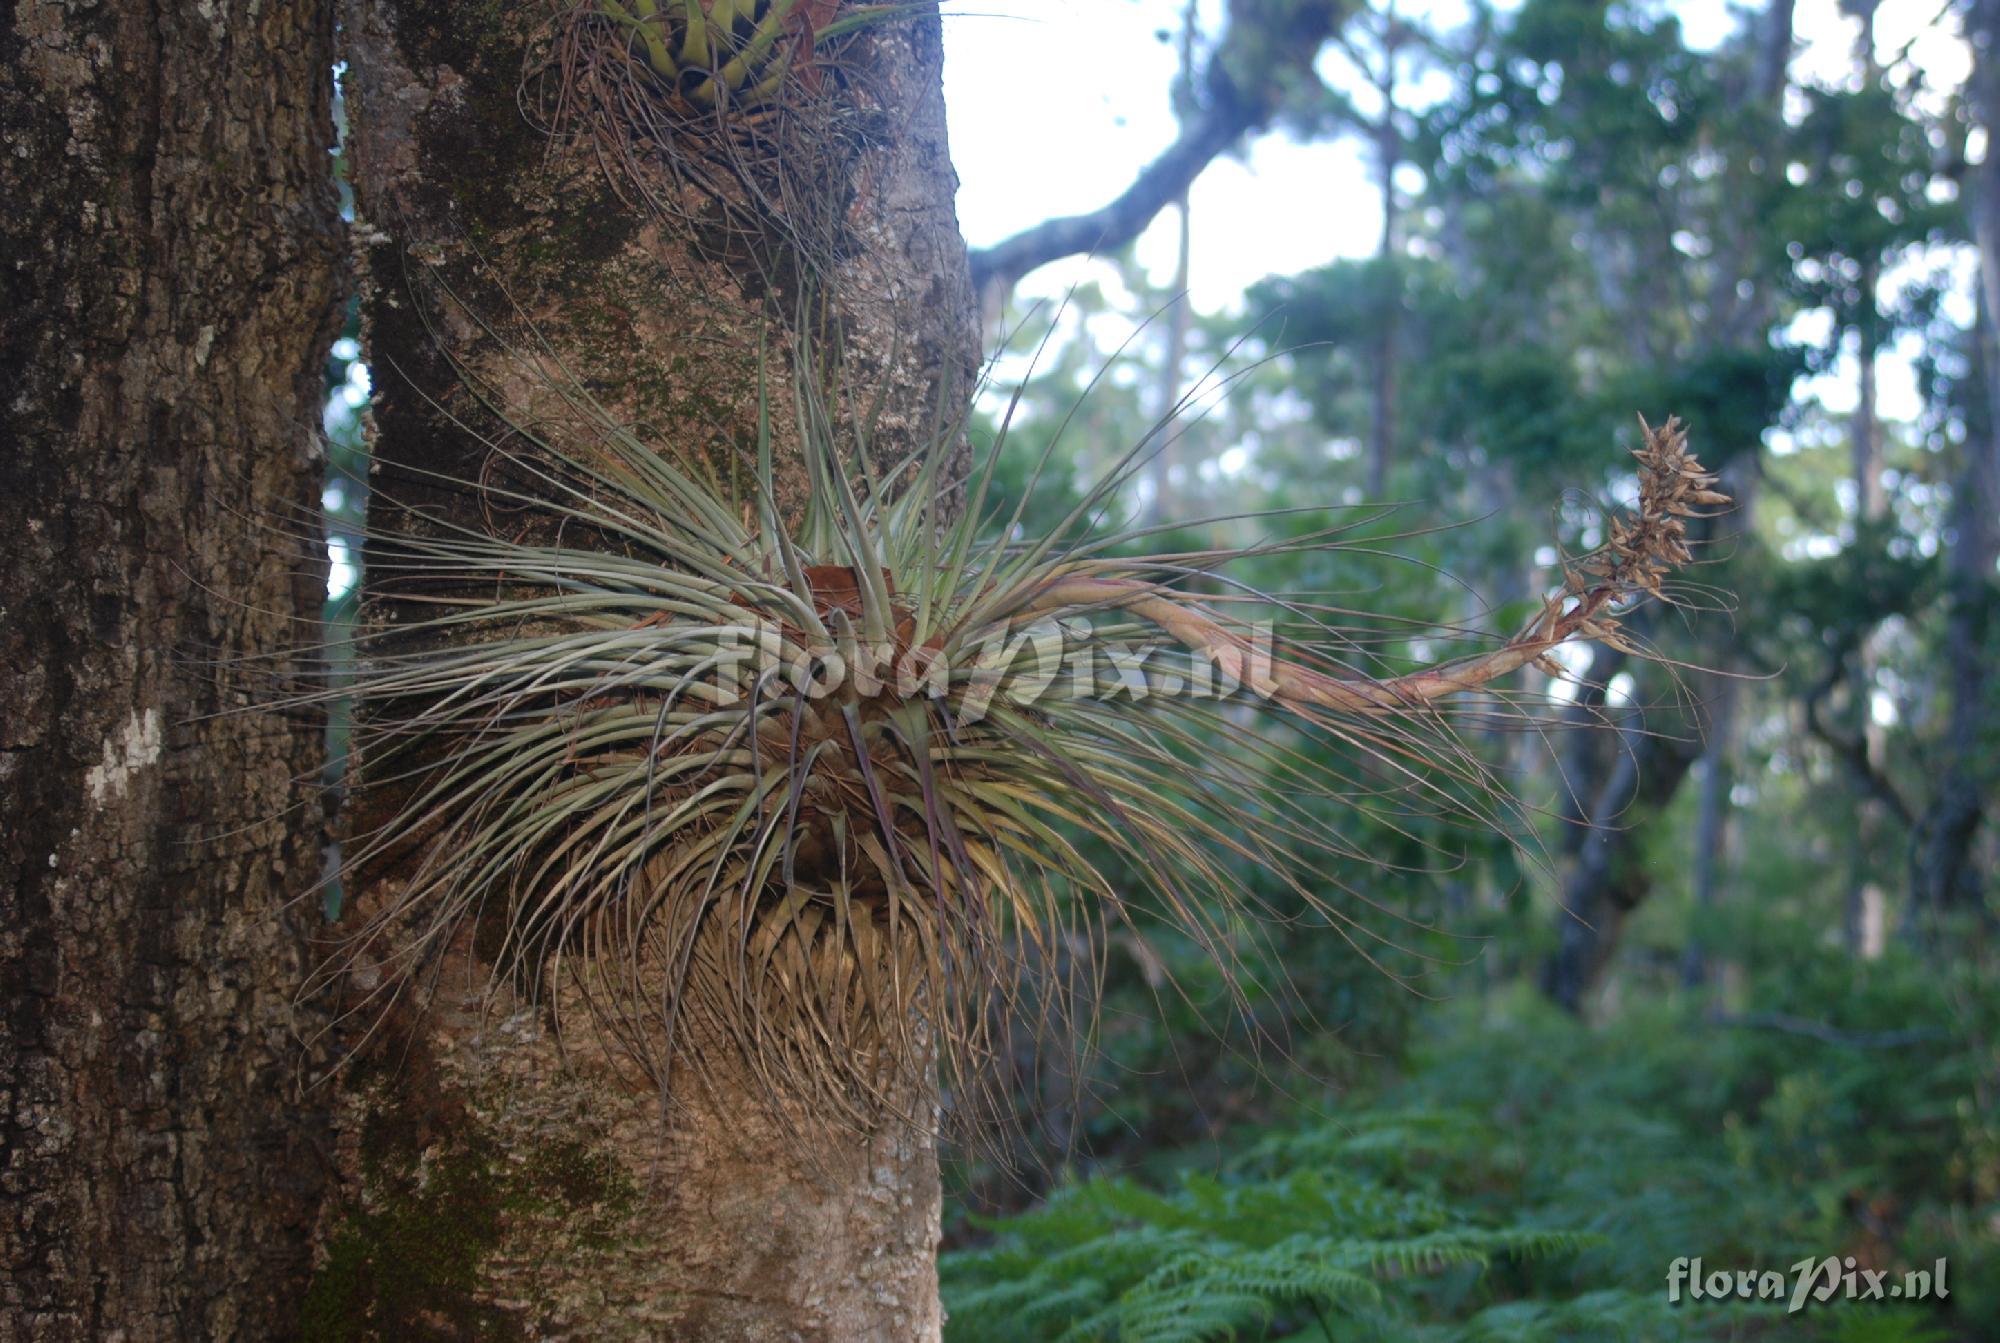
(1808, 1282)
(1019, 663)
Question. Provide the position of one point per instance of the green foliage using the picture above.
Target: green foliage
(1734, 393)
(1534, 1178)
(1602, 219)
(1243, 1256)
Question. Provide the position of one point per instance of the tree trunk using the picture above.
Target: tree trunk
(1866, 432)
(1711, 833)
(581, 1206)
(1609, 879)
(171, 245)
(1873, 505)
(1626, 789)
(1388, 275)
(1160, 507)
(1942, 871)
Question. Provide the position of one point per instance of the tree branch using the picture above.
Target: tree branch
(1818, 1030)
(1228, 117)
(1852, 751)
(1265, 49)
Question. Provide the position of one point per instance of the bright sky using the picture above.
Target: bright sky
(1055, 104)
(1043, 124)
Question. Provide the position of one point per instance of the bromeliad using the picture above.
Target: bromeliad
(740, 51)
(828, 783)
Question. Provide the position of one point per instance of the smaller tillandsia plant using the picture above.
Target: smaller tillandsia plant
(741, 51)
(755, 109)
(833, 788)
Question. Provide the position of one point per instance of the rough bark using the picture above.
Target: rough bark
(171, 277)
(711, 1220)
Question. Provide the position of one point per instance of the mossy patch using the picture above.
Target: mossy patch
(405, 1263)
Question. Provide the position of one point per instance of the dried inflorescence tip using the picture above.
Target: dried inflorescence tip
(1641, 547)
(1645, 547)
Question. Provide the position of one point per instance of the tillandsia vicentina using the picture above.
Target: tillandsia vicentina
(829, 785)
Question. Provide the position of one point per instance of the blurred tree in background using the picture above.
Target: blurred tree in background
(1730, 993)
